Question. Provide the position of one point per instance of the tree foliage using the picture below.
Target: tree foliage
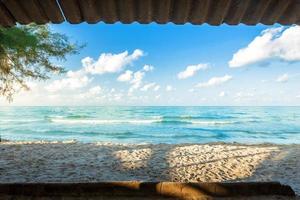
(27, 53)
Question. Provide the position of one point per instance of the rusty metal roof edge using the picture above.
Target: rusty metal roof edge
(213, 12)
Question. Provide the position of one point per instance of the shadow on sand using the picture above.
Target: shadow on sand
(152, 168)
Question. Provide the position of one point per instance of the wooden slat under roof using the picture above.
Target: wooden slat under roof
(214, 12)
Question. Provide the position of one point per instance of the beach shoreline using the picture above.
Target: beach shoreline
(72, 161)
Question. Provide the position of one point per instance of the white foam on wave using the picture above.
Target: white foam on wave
(105, 121)
(211, 122)
(20, 120)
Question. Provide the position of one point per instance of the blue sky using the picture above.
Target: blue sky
(185, 65)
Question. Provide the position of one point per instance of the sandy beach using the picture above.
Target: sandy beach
(71, 161)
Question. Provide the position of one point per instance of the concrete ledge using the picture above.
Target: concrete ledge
(144, 189)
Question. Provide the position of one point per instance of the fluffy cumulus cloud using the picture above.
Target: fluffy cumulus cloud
(243, 94)
(169, 88)
(92, 92)
(273, 43)
(215, 81)
(110, 63)
(106, 63)
(148, 68)
(156, 88)
(76, 87)
(126, 76)
(283, 78)
(240, 96)
(136, 80)
(149, 86)
(72, 81)
(222, 94)
(191, 70)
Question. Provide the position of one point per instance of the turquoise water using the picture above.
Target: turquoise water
(152, 124)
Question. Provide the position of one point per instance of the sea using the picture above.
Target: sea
(152, 124)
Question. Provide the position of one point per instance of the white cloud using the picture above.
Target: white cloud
(148, 68)
(280, 43)
(110, 63)
(107, 63)
(222, 94)
(214, 81)
(87, 62)
(93, 92)
(32, 85)
(169, 88)
(243, 94)
(148, 86)
(117, 97)
(191, 70)
(283, 78)
(136, 80)
(298, 96)
(73, 80)
(125, 77)
(239, 96)
(156, 88)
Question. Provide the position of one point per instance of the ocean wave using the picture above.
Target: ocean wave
(212, 122)
(50, 117)
(77, 116)
(20, 120)
(104, 121)
(187, 119)
(139, 121)
(192, 117)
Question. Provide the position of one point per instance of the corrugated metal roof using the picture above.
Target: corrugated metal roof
(214, 12)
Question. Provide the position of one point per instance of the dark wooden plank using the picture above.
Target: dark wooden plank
(162, 10)
(217, 11)
(52, 11)
(6, 19)
(144, 9)
(141, 190)
(255, 11)
(90, 10)
(291, 14)
(236, 11)
(17, 11)
(199, 11)
(126, 11)
(181, 10)
(71, 11)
